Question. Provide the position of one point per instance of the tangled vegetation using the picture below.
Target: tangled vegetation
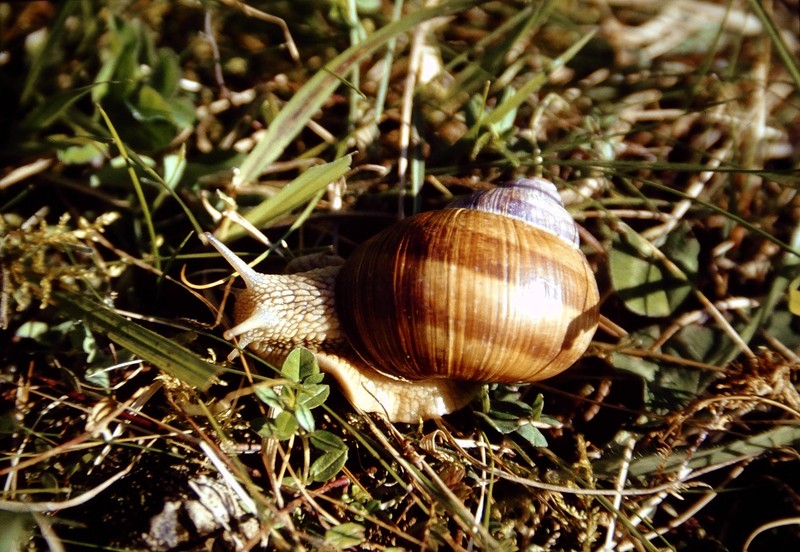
(133, 126)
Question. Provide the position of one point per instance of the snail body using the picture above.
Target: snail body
(491, 289)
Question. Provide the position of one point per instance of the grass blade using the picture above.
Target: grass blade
(137, 186)
(291, 196)
(535, 83)
(156, 349)
(742, 449)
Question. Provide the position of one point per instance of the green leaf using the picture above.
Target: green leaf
(81, 154)
(89, 344)
(700, 343)
(313, 395)
(333, 459)
(174, 167)
(53, 107)
(524, 93)
(268, 396)
(345, 535)
(506, 123)
(45, 55)
(675, 386)
(258, 425)
(146, 344)
(508, 415)
(328, 465)
(537, 407)
(304, 417)
(299, 364)
(501, 422)
(636, 365)
(531, 433)
(283, 426)
(494, 50)
(640, 278)
(119, 75)
(681, 458)
(166, 73)
(32, 330)
(182, 112)
(314, 379)
(150, 106)
(327, 441)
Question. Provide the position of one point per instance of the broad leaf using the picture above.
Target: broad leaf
(640, 278)
(299, 364)
(345, 535)
(327, 441)
(328, 465)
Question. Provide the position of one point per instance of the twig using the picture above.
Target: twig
(51, 506)
(258, 14)
(622, 477)
(766, 527)
(26, 171)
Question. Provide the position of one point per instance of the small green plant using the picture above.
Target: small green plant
(292, 400)
(508, 414)
(37, 257)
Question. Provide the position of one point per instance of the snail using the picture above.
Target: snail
(493, 288)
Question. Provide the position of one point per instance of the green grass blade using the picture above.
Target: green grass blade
(309, 98)
(291, 196)
(490, 62)
(47, 112)
(535, 83)
(46, 55)
(137, 186)
(169, 189)
(156, 349)
(787, 57)
(735, 451)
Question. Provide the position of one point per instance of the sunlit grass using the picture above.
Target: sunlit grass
(671, 131)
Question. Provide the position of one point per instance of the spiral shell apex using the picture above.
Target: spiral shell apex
(532, 200)
(493, 288)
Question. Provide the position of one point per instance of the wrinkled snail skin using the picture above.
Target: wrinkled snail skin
(491, 289)
(400, 401)
(278, 312)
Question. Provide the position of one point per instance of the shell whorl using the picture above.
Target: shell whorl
(532, 200)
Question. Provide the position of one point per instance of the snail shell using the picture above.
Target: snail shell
(492, 289)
